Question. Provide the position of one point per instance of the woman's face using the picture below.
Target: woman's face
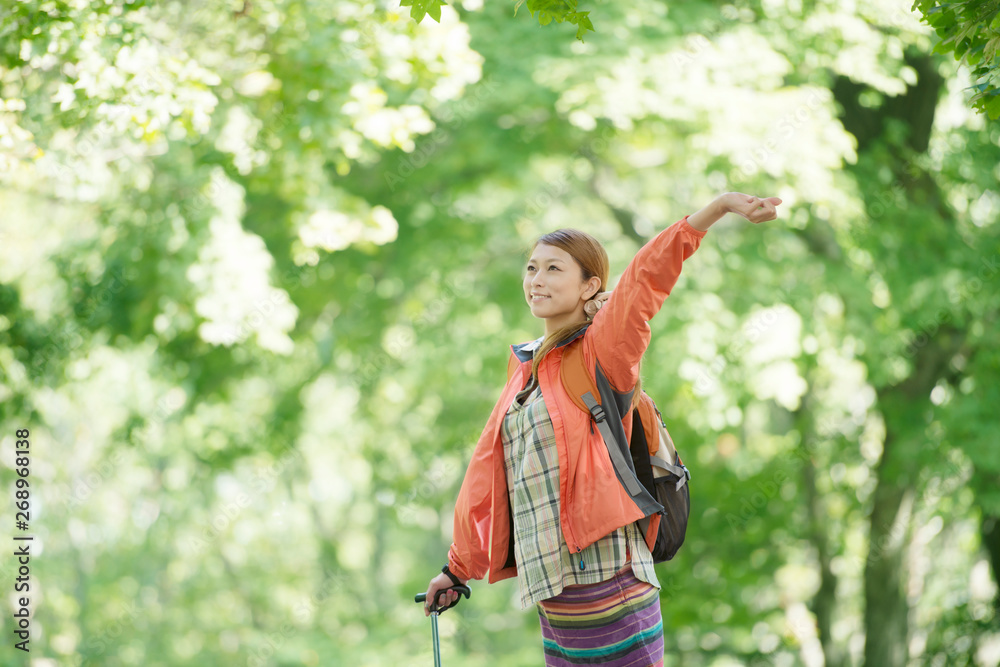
(554, 286)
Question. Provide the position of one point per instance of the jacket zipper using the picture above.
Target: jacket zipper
(579, 549)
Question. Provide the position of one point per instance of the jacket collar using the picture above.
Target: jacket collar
(526, 351)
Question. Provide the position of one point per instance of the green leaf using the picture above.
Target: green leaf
(973, 55)
(992, 107)
(554, 10)
(990, 50)
(420, 8)
(582, 22)
(434, 9)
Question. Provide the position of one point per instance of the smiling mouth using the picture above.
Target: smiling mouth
(538, 297)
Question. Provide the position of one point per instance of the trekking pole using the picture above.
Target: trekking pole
(435, 610)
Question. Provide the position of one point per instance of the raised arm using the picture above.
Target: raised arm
(620, 332)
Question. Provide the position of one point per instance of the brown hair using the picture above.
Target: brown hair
(592, 259)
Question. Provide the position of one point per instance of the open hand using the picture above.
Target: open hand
(754, 209)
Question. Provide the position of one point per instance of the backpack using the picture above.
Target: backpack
(648, 466)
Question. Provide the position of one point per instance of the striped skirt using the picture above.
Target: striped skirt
(615, 623)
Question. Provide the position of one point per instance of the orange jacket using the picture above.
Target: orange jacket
(593, 502)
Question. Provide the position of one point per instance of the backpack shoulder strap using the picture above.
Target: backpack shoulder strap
(513, 363)
(585, 394)
(578, 382)
(575, 377)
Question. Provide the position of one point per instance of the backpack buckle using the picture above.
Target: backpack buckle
(682, 480)
(598, 413)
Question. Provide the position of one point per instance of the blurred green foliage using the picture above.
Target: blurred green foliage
(971, 32)
(260, 264)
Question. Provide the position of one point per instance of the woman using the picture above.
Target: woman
(540, 499)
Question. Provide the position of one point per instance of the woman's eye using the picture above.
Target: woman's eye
(554, 267)
(531, 268)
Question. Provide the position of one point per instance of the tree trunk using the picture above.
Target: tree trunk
(823, 604)
(990, 532)
(886, 605)
(886, 608)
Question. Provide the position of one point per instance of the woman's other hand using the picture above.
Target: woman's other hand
(754, 209)
(591, 307)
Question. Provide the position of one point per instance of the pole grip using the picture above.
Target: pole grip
(462, 590)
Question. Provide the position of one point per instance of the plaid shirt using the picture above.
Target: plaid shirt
(544, 562)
